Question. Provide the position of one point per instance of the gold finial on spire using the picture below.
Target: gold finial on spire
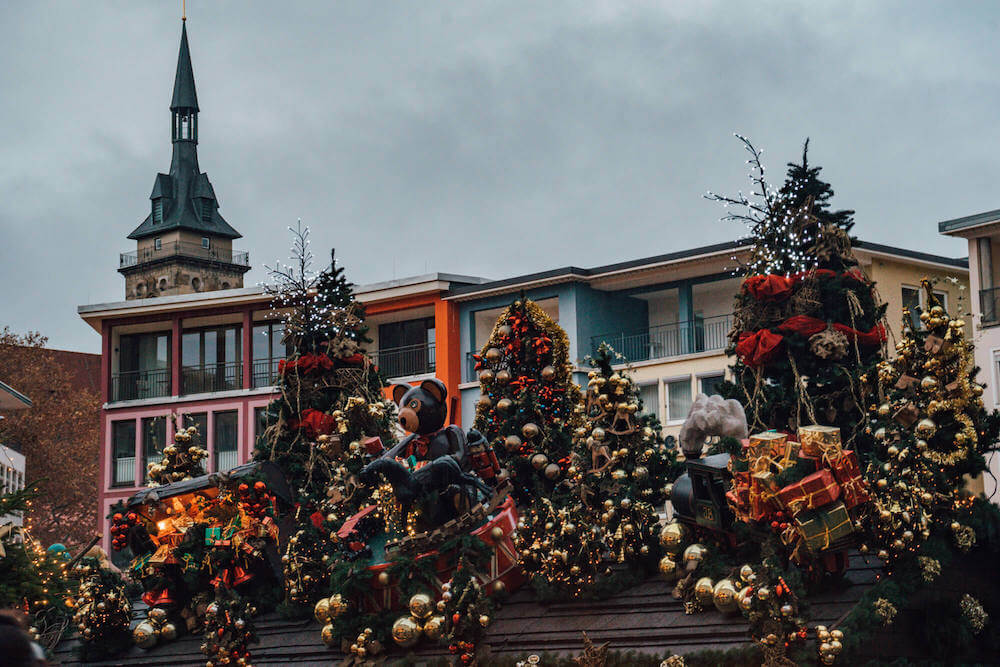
(184, 10)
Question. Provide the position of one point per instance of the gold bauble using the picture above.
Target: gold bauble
(338, 605)
(552, 471)
(145, 635)
(640, 473)
(486, 376)
(763, 593)
(724, 596)
(504, 404)
(512, 443)
(496, 532)
(493, 354)
(884, 409)
(327, 635)
(421, 606)
(499, 586)
(746, 598)
(484, 620)
(548, 372)
(530, 430)
(321, 612)
(485, 402)
(925, 428)
(434, 627)
(503, 377)
(746, 572)
(618, 475)
(787, 610)
(694, 554)
(538, 461)
(405, 631)
(704, 590)
(383, 578)
(880, 434)
(598, 433)
(157, 615)
(168, 632)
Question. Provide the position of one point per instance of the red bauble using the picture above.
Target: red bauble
(116, 517)
(243, 488)
(260, 486)
(455, 618)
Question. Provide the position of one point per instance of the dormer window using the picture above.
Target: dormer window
(157, 244)
(204, 242)
(157, 211)
(206, 210)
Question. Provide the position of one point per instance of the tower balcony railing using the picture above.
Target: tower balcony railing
(265, 372)
(183, 249)
(395, 362)
(211, 378)
(669, 340)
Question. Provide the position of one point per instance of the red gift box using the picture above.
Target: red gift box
(373, 445)
(846, 471)
(811, 492)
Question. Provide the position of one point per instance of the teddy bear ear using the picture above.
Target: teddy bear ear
(435, 388)
(398, 391)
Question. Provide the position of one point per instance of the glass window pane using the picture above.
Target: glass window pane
(226, 440)
(911, 300)
(260, 424)
(278, 350)
(123, 436)
(260, 342)
(678, 399)
(649, 394)
(154, 436)
(231, 352)
(200, 421)
(942, 297)
(191, 349)
(710, 385)
(211, 346)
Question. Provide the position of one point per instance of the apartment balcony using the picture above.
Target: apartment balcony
(264, 372)
(211, 378)
(989, 306)
(396, 362)
(124, 472)
(183, 249)
(669, 340)
(133, 385)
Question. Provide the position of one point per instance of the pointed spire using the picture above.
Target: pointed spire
(185, 96)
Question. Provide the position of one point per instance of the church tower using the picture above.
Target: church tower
(184, 245)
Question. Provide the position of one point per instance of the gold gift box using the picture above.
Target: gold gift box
(814, 439)
(768, 442)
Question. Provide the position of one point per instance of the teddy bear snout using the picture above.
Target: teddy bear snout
(408, 418)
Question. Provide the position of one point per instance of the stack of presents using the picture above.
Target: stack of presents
(815, 514)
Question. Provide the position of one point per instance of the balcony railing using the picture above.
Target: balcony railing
(265, 372)
(133, 385)
(226, 460)
(211, 378)
(397, 362)
(124, 472)
(669, 340)
(185, 249)
(989, 305)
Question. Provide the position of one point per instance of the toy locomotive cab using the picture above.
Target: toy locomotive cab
(699, 495)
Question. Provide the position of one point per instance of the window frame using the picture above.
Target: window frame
(701, 377)
(115, 483)
(667, 381)
(157, 243)
(146, 457)
(655, 412)
(206, 243)
(216, 414)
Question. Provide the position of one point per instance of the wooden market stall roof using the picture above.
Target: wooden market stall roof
(644, 618)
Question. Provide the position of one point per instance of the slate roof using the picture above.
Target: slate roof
(644, 618)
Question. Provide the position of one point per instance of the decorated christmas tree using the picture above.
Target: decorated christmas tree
(331, 403)
(102, 610)
(808, 323)
(931, 432)
(527, 410)
(331, 416)
(33, 579)
(620, 472)
(181, 460)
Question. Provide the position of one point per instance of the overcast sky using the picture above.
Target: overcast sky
(489, 139)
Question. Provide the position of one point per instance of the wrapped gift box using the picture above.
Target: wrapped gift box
(813, 440)
(853, 489)
(821, 528)
(767, 443)
(811, 492)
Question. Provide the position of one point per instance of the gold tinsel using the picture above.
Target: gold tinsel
(930, 568)
(965, 537)
(886, 611)
(974, 613)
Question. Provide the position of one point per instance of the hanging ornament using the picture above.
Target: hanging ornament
(405, 631)
(724, 596)
(421, 606)
(926, 428)
(668, 568)
(530, 430)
